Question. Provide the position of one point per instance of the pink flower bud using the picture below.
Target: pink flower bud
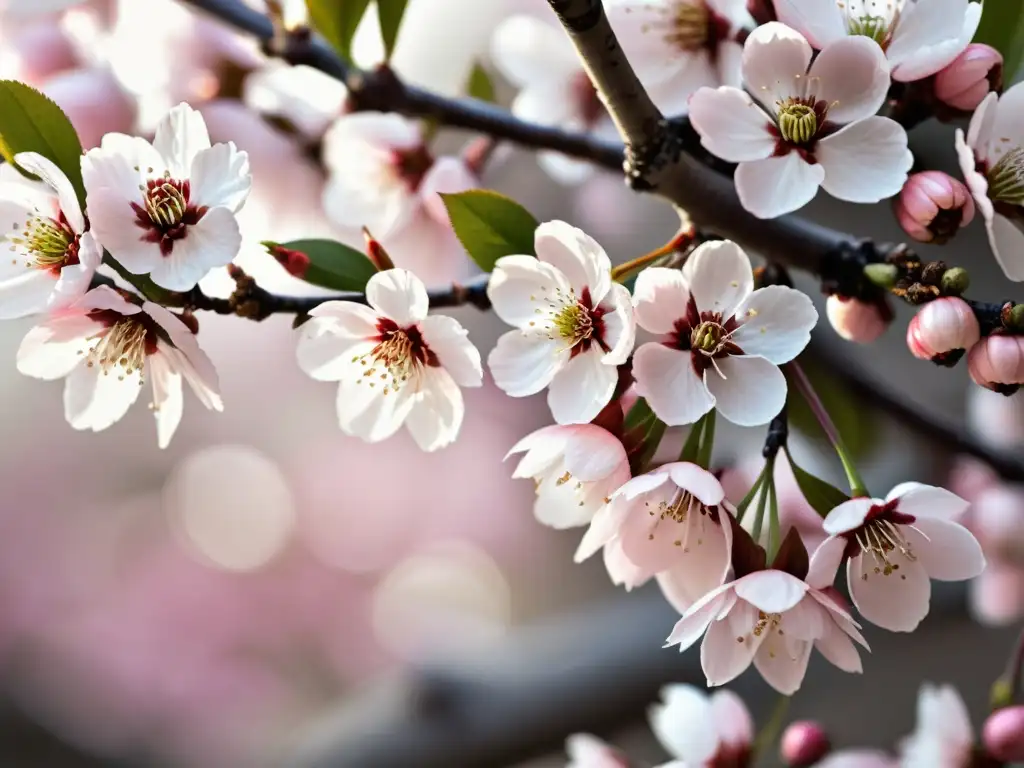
(803, 743)
(932, 206)
(997, 362)
(95, 102)
(969, 77)
(33, 52)
(1003, 735)
(856, 320)
(943, 330)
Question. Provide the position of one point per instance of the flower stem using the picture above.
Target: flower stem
(803, 384)
(741, 508)
(691, 448)
(770, 731)
(762, 502)
(1005, 689)
(624, 272)
(774, 528)
(707, 444)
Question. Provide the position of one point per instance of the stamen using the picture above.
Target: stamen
(798, 122)
(121, 346)
(1006, 178)
(48, 243)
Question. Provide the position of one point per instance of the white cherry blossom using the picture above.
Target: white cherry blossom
(895, 546)
(721, 341)
(306, 97)
(677, 46)
(919, 37)
(586, 751)
(106, 347)
(772, 619)
(168, 208)
(574, 468)
(554, 89)
(574, 326)
(51, 255)
(394, 364)
(812, 124)
(943, 736)
(703, 731)
(992, 161)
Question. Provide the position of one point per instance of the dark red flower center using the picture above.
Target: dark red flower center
(49, 243)
(706, 335)
(123, 344)
(880, 536)
(412, 165)
(580, 323)
(166, 212)
(398, 353)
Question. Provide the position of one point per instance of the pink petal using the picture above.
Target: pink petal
(603, 528)
(543, 447)
(853, 78)
(778, 185)
(593, 453)
(660, 297)
(731, 125)
(948, 552)
(694, 622)
(776, 323)
(783, 663)
(667, 379)
(821, 23)
(749, 390)
(928, 501)
(848, 516)
(733, 722)
(837, 647)
(997, 595)
(770, 591)
(825, 562)
(775, 61)
(621, 570)
(719, 276)
(577, 255)
(702, 569)
(722, 656)
(582, 388)
(866, 161)
(897, 601)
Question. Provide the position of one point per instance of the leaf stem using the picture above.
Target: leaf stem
(691, 448)
(741, 508)
(707, 444)
(770, 730)
(624, 272)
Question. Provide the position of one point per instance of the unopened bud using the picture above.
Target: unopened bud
(965, 81)
(376, 253)
(932, 206)
(882, 275)
(295, 262)
(803, 744)
(190, 321)
(943, 330)
(955, 281)
(1003, 734)
(997, 363)
(856, 320)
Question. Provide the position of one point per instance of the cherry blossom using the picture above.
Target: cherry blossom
(52, 255)
(919, 37)
(586, 751)
(722, 341)
(574, 326)
(306, 97)
(168, 208)
(812, 125)
(773, 619)
(106, 347)
(992, 161)
(969, 78)
(895, 545)
(858, 321)
(677, 46)
(394, 364)
(554, 89)
(670, 520)
(574, 468)
(943, 736)
(703, 731)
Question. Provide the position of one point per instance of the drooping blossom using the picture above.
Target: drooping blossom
(586, 751)
(969, 78)
(812, 125)
(943, 331)
(943, 736)
(992, 161)
(394, 364)
(772, 619)
(574, 468)
(933, 206)
(678, 46)
(106, 347)
(554, 89)
(919, 37)
(722, 341)
(997, 520)
(858, 321)
(168, 208)
(671, 521)
(702, 731)
(997, 363)
(895, 546)
(574, 326)
(51, 256)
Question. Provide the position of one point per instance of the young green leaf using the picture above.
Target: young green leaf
(390, 13)
(1002, 27)
(490, 225)
(337, 21)
(31, 122)
(480, 86)
(330, 264)
(822, 496)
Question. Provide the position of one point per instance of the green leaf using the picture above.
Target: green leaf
(1002, 27)
(490, 225)
(331, 264)
(337, 21)
(390, 13)
(480, 86)
(822, 496)
(31, 122)
(639, 414)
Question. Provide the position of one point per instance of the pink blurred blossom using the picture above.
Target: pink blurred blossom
(95, 102)
(856, 320)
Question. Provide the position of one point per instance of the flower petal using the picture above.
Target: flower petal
(213, 242)
(866, 161)
(897, 600)
(621, 570)
(168, 402)
(783, 664)
(722, 657)
(821, 23)
(777, 185)
(660, 297)
(684, 724)
(929, 36)
(54, 177)
(527, 50)
(577, 255)
(180, 136)
(695, 621)
(836, 646)
(364, 411)
(733, 722)
(54, 348)
(928, 501)
(1006, 236)
(94, 398)
(719, 276)
(593, 453)
(619, 325)
(776, 323)
(221, 177)
(848, 516)
(825, 562)
(523, 363)
(399, 295)
(447, 339)
(731, 125)
(749, 390)
(948, 552)
(770, 591)
(603, 528)
(26, 294)
(698, 568)
(436, 417)
(112, 221)
(775, 61)
(853, 78)
(582, 388)
(667, 379)
(522, 290)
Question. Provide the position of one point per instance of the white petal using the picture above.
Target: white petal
(896, 601)
(848, 516)
(696, 70)
(54, 348)
(213, 242)
(684, 724)
(522, 285)
(836, 646)
(364, 411)
(719, 276)
(696, 480)
(168, 402)
(120, 164)
(722, 656)
(866, 161)
(593, 453)
(528, 50)
(731, 125)
(577, 255)
(447, 339)
(644, 29)
(370, 196)
(667, 379)
(853, 78)
(927, 501)
(775, 61)
(446, 176)
(733, 722)
(825, 562)
(982, 125)
(821, 23)
(948, 552)
(776, 323)
(327, 345)
(660, 297)
(399, 295)
(749, 390)
(436, 417)
(94, 399)
(523, 364)
(1006, 237)
(777, 185)
(695, 621)
(180, 136)
(783, 663)
(770, 591)
(221, 177)
(929, 36)
(1006, 123)
(54, 177)
(26, 294)
(113, 223)
(619, 325)
(582, 388)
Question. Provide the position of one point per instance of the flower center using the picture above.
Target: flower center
(122, 346)
(49, 243)
(398, 356)
(574, 324)
(692, 25)
(798, 121)
(683, 506)
(708, 338)
(880, 538)
(875, 27)
(166, 212)
(573, 320)
(412, 165)
(1006, 178)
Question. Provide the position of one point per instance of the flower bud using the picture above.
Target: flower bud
(997, 362)
(955, 281)
(1003, 734)
(942, 331)
(932, 206)
(857, 320)
(803, 743)
(969, 77)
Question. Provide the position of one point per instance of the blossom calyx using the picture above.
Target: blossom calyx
(933, 206)
(943, 330)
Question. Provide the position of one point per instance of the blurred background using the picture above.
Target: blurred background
(269, 592)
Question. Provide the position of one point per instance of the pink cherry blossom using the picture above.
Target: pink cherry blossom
(812, 125)
(574, 468)
(167, 209)
(772, 619)
(919, 37)
(933, 206)
(574, 326)
(394, 364)
(996, 419)
(51, 255)
(996, 519)
(306, 97)
(702, 731)
(997, 363)
(95, 103)
(942, 330)
(106, 347)
(856, 320)
(943, 736)
(586, 751)
(722, 341)
(992, 161)
(894, 546)
(969, 78)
